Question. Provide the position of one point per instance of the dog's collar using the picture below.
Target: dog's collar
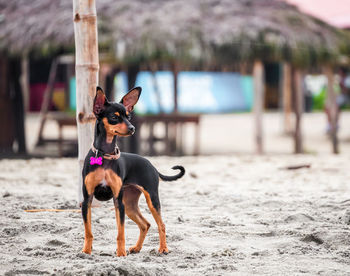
(108, 156)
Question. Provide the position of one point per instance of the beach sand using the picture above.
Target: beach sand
(229, 215)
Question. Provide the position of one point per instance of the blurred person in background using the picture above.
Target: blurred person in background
(343, 97)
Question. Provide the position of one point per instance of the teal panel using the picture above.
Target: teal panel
(72, 94)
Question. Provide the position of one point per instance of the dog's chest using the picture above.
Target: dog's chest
(104, 182)
(105, 177)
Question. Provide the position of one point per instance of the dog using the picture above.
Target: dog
(108, 173)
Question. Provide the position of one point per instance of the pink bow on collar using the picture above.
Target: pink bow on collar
(95, 160)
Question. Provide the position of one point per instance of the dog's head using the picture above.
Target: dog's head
(116, 116)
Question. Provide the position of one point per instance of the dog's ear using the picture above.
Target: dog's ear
(100, 101)
(131, 98)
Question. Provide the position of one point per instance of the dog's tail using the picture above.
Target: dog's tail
(173, 177)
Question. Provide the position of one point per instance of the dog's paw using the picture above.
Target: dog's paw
(86, 251)
(121, 253)
(163, 250)
(134, 249)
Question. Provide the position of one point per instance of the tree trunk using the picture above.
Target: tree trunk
(259, 95)
(86, 71)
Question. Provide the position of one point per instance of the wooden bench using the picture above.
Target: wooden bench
(172, 140)
(174, 132)
(62, 119)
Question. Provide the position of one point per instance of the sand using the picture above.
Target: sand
(230, 215)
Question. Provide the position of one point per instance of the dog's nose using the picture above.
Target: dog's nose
(131, 129)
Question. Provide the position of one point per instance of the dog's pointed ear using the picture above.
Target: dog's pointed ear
(131, 98)
(100, 101)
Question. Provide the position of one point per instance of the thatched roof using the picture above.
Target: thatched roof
(206, 30)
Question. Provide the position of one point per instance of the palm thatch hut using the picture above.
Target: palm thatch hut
(199, 34)
(212, 31)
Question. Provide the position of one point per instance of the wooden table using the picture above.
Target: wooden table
(172, 140)
(62, 119)
(174, 132)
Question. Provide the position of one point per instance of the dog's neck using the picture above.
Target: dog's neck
(102, 141)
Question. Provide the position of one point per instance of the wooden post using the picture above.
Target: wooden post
(175, 73)
(25, 80)
(259, 95)
(287, 97)
(154, 68)
(332, 102)
(47, 99)
(132, 142)
(298, 110)
(86, 71)
(173, 127)
(7, 121)
(17, 101)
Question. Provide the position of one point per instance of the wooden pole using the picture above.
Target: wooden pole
(86, 72)
(133, 142)
(287, 97)
(258, 108)
(298, 110)
(17, 101)
(175, 73)
(6, 111)
(25, 81)
(47, 99)
(154, 68)
(173, 127)
(332, 101)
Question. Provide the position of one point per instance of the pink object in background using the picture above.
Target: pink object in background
(37, 91)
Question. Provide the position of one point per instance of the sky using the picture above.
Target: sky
(335, 12)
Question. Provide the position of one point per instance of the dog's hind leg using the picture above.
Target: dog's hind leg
(154, 206)
(131, 198)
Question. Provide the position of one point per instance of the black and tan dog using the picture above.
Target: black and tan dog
(107, 174)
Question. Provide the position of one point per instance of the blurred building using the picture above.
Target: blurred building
(151, 41)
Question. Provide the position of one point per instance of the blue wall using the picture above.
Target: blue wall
(198, 92)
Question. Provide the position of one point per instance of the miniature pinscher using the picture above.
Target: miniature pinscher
(107, 174)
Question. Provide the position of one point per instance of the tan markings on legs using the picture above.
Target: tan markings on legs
(115, 182)
(88, 234)
(157, 217)
(131, 197)
(121, 235)
(91, 181)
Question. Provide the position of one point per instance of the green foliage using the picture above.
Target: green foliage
(318, 100)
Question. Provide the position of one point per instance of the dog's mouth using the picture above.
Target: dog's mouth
(129, 133)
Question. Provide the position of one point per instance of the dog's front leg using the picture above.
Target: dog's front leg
(115, 182)
(120, 217)
(91, 180)
(86, 212)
